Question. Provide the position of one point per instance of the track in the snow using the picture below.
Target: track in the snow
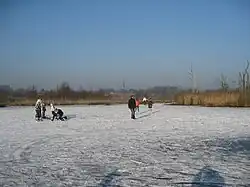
(102, 146)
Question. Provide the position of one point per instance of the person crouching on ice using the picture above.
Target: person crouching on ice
(57, 113)
(132, 106)
(137, 104)
(38, 109)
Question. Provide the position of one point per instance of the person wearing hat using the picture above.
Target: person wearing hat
(132, 106)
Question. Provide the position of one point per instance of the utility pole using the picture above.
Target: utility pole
(123, 85)
(193, 79)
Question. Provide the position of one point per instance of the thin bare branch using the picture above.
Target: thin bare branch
(246, 69)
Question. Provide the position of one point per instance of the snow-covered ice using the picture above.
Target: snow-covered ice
(102, 146)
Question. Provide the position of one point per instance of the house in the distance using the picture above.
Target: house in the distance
(5, 88)
(119, 96)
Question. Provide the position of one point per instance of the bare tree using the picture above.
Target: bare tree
(244, 83)
(193, 79)
(224, 82)
(123, 85)
(244, 78)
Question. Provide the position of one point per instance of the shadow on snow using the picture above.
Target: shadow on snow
(71, 116)
(231, 146)
(109, 178)
(148, 114)
(206, 177)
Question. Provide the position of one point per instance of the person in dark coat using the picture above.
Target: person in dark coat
(132, 106)
(43, 110)
(57, 113)
(150, 103)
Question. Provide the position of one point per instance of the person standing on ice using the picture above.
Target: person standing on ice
(53, 111)
(150, 103)
(38, 108)
(144, 100)
(137, 104)
(43, 110)
(132, 106)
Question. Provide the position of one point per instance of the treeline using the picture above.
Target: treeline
(63, 93)
(158, 92)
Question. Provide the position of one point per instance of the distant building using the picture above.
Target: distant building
(5, 88)
(119, 96)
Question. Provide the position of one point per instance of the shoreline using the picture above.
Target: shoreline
(73, 103)
(210, 106)
(109, 103)
(87, 103)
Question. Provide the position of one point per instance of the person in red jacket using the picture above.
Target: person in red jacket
(137, 104)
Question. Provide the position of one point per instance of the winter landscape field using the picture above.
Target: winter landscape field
(101, 146)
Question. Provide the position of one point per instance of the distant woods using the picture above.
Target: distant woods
(64, 94)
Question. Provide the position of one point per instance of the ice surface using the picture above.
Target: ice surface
(102, 146)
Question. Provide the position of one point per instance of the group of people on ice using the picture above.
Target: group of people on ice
(134, 104)
(40, 109)
(57, 113)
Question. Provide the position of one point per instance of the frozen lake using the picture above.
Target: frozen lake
(101, 146)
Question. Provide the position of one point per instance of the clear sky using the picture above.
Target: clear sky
(98, 43)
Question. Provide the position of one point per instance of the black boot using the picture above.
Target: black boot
(132, 113)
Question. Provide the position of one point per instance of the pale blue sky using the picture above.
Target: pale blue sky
(98, 43)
